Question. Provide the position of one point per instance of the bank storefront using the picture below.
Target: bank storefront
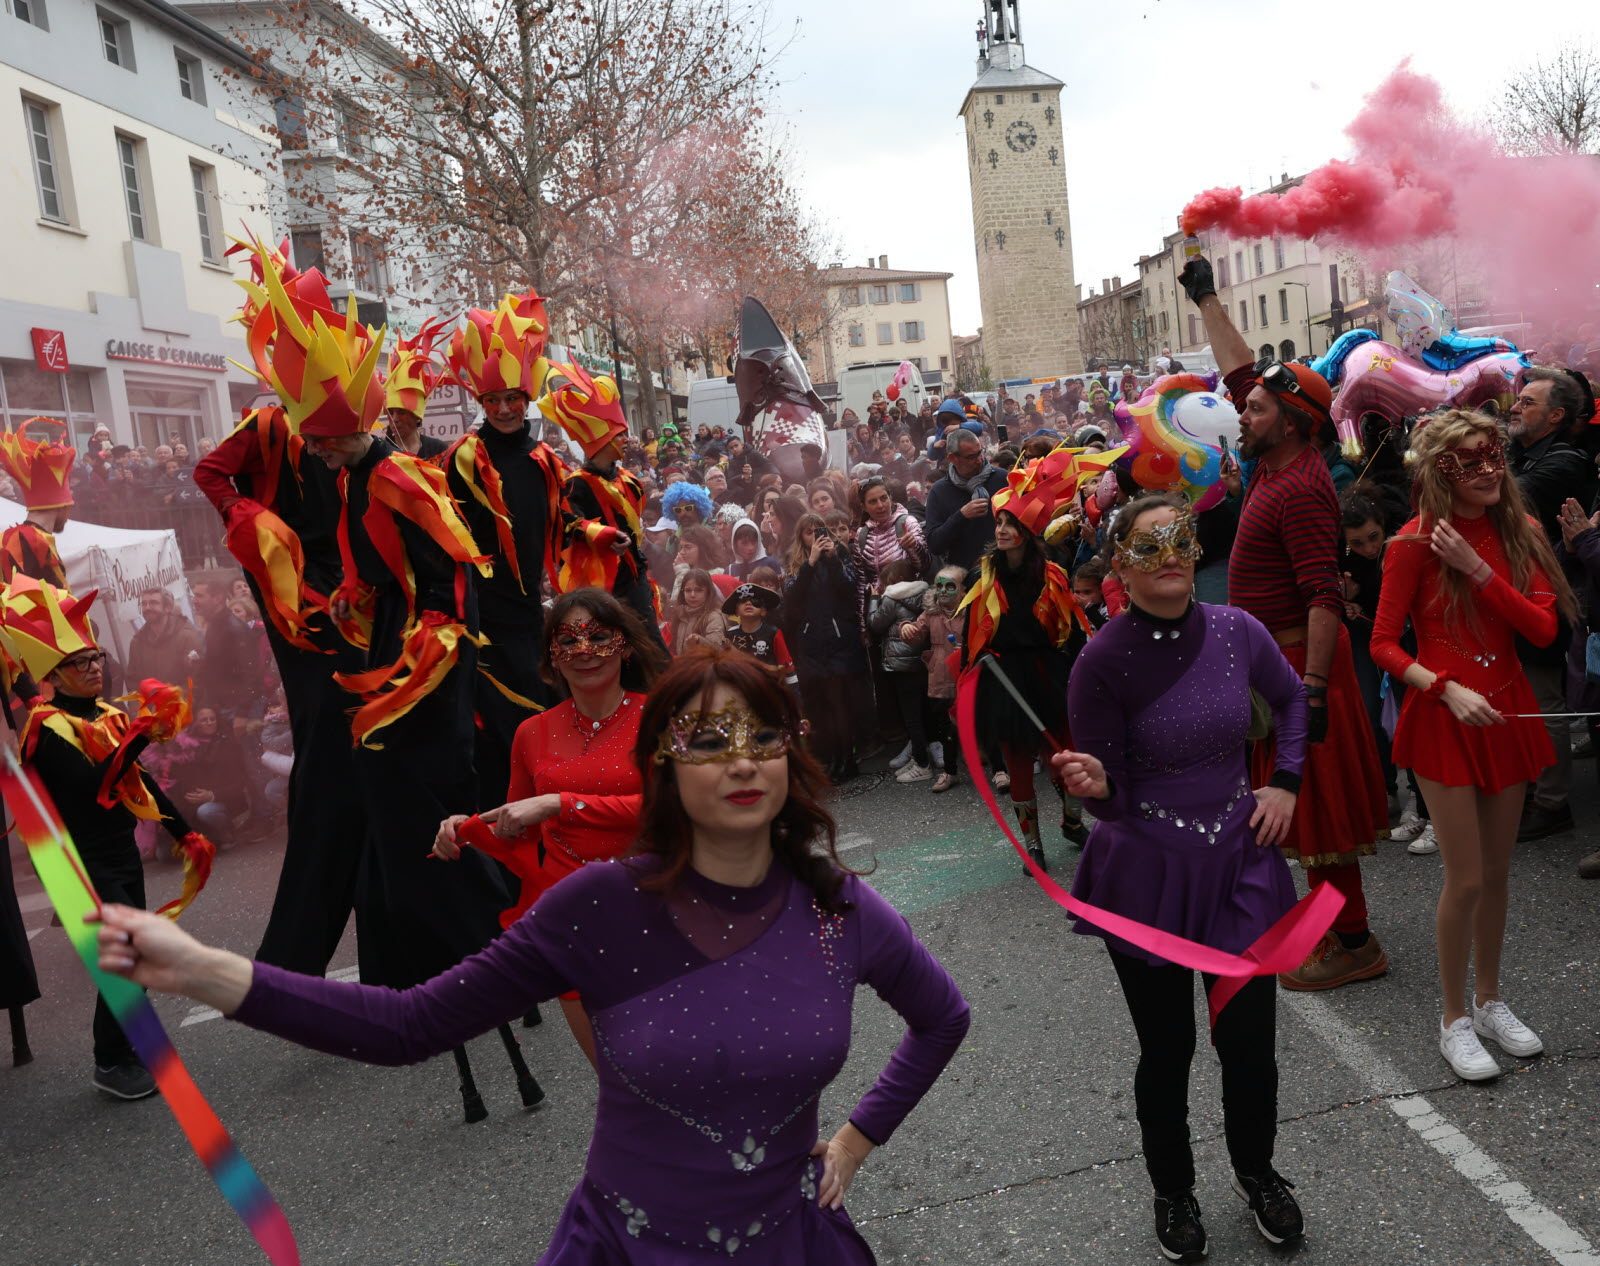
(104, 368)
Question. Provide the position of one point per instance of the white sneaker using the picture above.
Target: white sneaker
(1409, 827)
(1424, 843)
(914, 772)
(1464, 1053)
(1494, 1021)
(902, 760)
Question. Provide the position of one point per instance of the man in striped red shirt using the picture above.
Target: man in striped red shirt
(1284, 570)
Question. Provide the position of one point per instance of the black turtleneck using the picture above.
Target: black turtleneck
(73, 781)
(501, 600)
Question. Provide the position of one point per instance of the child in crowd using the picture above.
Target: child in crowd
(1088, 587)
(749, 552)
(1365, 538)
(755, 632)
(694, 619)
(893, 611)
(938, 630)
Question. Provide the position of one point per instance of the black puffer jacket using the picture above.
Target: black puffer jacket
(899, 604)
(820, 620)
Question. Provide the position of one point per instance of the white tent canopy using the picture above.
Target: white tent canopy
(121, 563)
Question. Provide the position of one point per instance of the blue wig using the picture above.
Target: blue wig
(683, 490)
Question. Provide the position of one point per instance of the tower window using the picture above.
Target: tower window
(1036, 98)
(999, 98)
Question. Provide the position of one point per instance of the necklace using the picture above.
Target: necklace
(589, 728)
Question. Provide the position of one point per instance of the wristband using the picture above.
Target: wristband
(1315, 692)
(1435, 688)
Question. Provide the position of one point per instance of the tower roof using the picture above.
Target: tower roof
(1006, 79)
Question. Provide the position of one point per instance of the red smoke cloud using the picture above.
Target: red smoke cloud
(1418, 174)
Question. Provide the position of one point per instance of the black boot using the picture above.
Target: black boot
(1179, 1231)
(532, 1019)
(1277, 1213)
(21, 1052)
(532, 1093)
(471, 1101)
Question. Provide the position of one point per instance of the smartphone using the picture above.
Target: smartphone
(1000, 432)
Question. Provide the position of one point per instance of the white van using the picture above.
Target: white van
(858, 382)
(713, 402)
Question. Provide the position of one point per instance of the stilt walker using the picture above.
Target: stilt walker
(42, 469)
(604, 543)
(407, 596)
(508, 486)
(280, 505)
(86, 753)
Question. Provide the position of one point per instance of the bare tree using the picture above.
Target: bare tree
(1553, 106)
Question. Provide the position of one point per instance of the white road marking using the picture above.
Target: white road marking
(199, 1015)
(1542, 1224)
(943, 857)
(854, 839)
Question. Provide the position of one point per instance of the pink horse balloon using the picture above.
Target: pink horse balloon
(1382, 379)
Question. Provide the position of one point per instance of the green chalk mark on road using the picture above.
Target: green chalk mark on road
(942, 868)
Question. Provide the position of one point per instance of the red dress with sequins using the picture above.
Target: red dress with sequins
(1478, 650)
(590, 765)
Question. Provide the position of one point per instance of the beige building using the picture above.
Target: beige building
(1022, 232)
(1108, 322)
(878, 313)
(132, 150)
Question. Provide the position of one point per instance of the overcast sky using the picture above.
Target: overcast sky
(1163, 98)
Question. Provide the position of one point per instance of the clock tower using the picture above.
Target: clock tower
(1021, 230)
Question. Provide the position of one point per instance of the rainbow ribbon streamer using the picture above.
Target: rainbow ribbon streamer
(61, 872)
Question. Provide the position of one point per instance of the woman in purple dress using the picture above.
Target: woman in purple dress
(1160, 707)
(718, 965)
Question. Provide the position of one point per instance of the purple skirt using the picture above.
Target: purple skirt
(1224, 896)
(594, 1233)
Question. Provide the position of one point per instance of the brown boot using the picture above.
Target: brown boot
(1330, 965)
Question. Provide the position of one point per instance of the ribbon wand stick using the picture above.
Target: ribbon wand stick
(992, 664)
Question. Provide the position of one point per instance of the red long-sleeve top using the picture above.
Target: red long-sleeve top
(599, 786)
(1481, 656)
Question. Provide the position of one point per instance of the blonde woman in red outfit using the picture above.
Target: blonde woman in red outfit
(1472, 572)
(575, 788)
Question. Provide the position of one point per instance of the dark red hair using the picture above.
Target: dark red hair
(804, 834)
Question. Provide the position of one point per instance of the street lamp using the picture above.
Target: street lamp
(1306, 286)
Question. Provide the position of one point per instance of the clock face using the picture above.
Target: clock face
(1020, 136)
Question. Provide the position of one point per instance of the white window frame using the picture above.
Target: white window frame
(879, 294)
(191, 76)
(116, 38)
(207, 210)
(133, 169)
(33, 12)
(42, 120)
(885, 332)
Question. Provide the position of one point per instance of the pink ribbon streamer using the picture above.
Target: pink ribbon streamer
(1281, 948)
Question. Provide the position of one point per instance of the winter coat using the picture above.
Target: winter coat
(819, 617)
(935, 635)
(899, 604)
(708, 624)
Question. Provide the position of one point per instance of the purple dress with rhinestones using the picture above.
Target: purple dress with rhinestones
(1165, 706)
(720, 1015)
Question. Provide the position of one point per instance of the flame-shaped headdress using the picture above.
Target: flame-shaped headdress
(501, 350)
(307, 290)
(1032, 493)
(41, 468)
(323, 364)
(43, 625)
(413, 372)
(587, 409)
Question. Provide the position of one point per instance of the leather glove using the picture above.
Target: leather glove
(1316, 723)
(1197, 280)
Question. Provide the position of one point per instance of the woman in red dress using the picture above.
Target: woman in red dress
(575, 789)
(1472, 572)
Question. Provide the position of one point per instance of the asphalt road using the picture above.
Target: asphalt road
(1026, 1152)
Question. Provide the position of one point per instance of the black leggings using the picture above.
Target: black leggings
(1161, 1002)
(911, 692)
(117, 873)
(838, 706)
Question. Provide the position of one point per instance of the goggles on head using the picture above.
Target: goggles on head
(1279, 379)
(1148, 548)
(721, 737)
(588, 637)
(1463, 465)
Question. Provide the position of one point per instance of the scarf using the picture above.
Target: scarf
(976, 481)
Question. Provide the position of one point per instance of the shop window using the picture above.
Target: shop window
(27, 391)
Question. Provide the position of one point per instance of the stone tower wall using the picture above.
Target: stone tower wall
(1022, 232)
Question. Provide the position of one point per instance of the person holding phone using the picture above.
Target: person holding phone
(960, 524)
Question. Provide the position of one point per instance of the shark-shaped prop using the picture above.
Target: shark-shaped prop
(778, 407)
